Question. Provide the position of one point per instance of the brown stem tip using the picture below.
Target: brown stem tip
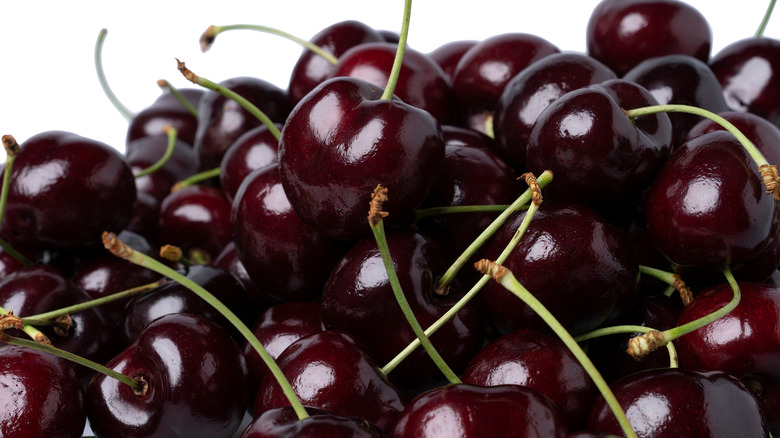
(62, 325)
(207, 38)
(42, 339)
(536, 191)
(375, 213)
(641, 345)
(188, 74)
(162, 83)
(171, 252)
(685, 293)
(10, 145)
(493, 269)
(11, 321)
(116, 246)
(771, 180)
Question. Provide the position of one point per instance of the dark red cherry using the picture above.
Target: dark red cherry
(358, 299)
(167, 111)
(539, 361)
(448, 54)
(485, 69)
(674, 402)
(468, 411)
(532, 90)
(65, 191)
(147, 151)
(597, 154)
(311, 69)
(195, 383)
(281, 254)
(572, 260)
(748, 73)
(623, 33)
(40, 394)
(708, 206)
(146, 214)
(342, 141)
(284, 423)
(195, 218)
(421, 83)
(229, 261)
(332, 371)
(221, 120)
(255, 149)
(680, 79)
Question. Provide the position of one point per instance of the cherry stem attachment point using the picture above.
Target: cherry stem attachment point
(197, 178)
(172, 134)
(129, 115)
(395, 71)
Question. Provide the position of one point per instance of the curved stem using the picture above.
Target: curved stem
(207, 39)
(198, 177)
(172, 134)
(395, 71)
(623, 329)
(765, 20)
(129, 115)
(672, 280)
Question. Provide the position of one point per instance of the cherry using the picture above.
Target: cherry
(532, 90)
(311, 69)
(146, 214)
(229, 261)
(673, 402)
(342, 141)
(40, 394)
(50, 202)
(167, 111)
(255, 149)
(465, 410)
(194, 383)
(623, 33)
(485, 69)
(332, 371)
(578, 265)
(283, 423)
(144, 152)
(448, 54)
(540, 361)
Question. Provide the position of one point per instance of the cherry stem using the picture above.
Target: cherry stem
(671, 279)
(425, 213)
(230, 94)
(11, 150)
(207, 39)
(129, 115)
(197, 178)
(120, 249)
(395, 71)
(172, 134)
(378, 228)
(765, 20)
(165, 85)
(477, 287)
(543, 180)
(34, 334)
(768, 173)
(506, 279)
(622, 329)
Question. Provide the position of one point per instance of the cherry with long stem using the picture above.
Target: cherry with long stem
(172, 134)
(125, 111)
(765, 20)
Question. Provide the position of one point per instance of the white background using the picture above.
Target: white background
(46, 47)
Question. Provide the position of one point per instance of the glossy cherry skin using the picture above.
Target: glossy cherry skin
(421, 83)
(674, 402)
(196, 381)
(311, 69)
(680, 79)
(65, 191)
(573, 261)
(465, 410)
(597, 154)
(255, 149)
(147, 151)
(448, 55)
(40, 394)
(221, 120)
(621, 34)
(341, 142)
(748, 73)
(167, 111)
(195, 218)
(284, 423)
(281, 254)
(332, 371)
(745, 342)
(228, 260)
(146, 214)
(539, 361)
(358, 299)
(532, 90)
(708, 206)
(485, 69)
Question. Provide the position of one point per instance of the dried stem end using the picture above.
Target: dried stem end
(207, 38)
(641, 345)
(142, 388)
(771, 179)
(188, 74)
(685, 293)
(42, 339)
(375, 213)
(112, 243)
(10, 145)
(536, 191)
(11, 321)
(171, 253)
(62, 325)
(493, 269)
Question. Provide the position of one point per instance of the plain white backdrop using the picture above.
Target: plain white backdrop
(46, 47)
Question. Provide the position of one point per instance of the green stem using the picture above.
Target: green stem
(378, 229)
(119, 249)
(508, 281)
(395, 71)
(425, 213)
(623, 329)
(765, 20)
(31, 331)
(198, 177)
(172, 133)
(129, 115)
(11, 149)
(162, 83)
(670, 278)
(207, 39)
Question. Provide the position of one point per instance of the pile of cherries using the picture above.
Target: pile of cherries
(262, 196)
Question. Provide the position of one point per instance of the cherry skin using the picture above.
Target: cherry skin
(147, 151)
(228, 260)
(448, 55)
(465, 410)
(195, 383)
(343, 140)
(40, 394)
(284, 423)
(255, 149)
(621, 34)
(167, 111)
(51, 204)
